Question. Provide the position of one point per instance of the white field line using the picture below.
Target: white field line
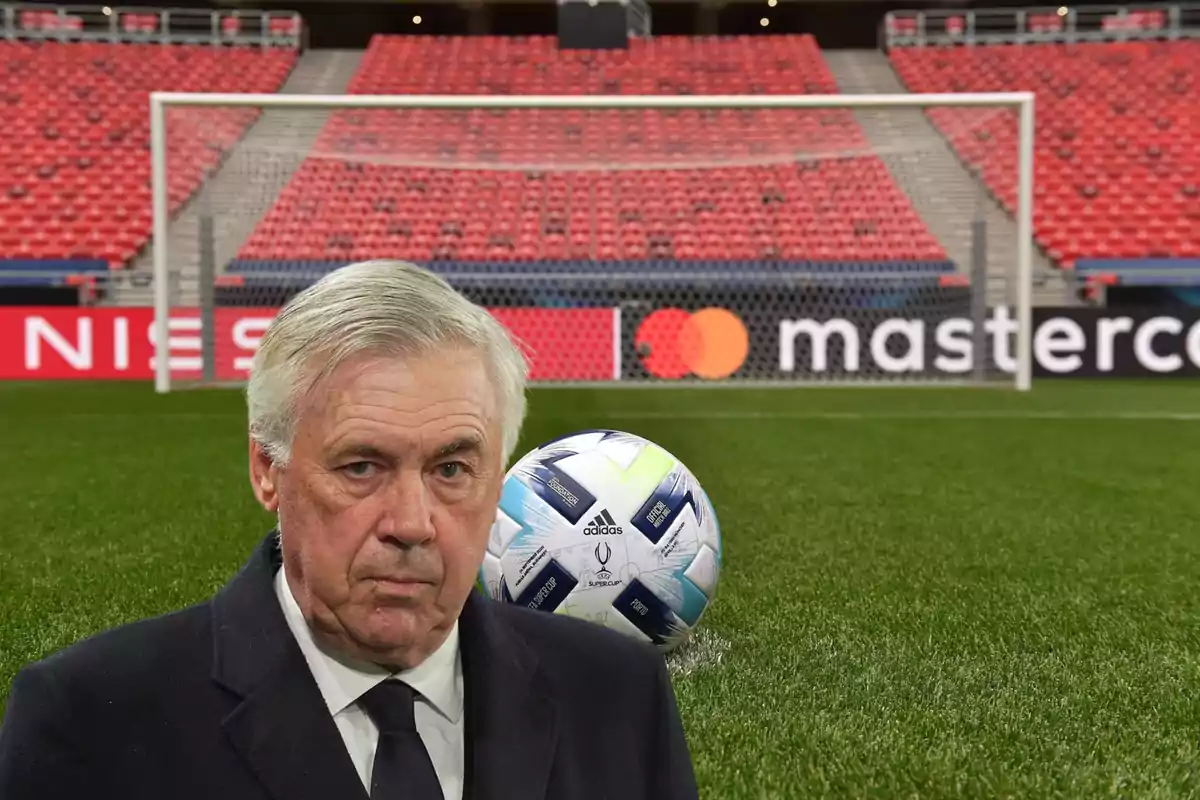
(933, 415)
(732, 415)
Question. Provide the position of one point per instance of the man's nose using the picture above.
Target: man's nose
(407, 516)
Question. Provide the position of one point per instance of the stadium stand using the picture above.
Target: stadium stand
(1117, 154)
(74, 160)
(496, 188)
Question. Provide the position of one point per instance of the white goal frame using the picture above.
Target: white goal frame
(1022, 102)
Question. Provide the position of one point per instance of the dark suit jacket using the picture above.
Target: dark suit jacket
(217, 702)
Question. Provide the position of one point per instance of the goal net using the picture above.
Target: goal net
(623, 239)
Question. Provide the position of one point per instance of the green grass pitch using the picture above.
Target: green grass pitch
(927, 592)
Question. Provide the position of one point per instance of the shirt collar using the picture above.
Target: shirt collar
(343, 681)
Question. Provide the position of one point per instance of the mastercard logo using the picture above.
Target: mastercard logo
(711, 343)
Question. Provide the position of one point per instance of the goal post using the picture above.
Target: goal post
(261, 179)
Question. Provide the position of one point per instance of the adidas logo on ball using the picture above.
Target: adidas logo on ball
(602, 525)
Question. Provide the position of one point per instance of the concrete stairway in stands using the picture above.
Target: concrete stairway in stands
(248, 182)
(946, 195)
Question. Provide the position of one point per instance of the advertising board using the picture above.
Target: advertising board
(118, 343)
(653, 343)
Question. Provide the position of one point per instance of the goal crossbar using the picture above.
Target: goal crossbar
(1021, 102)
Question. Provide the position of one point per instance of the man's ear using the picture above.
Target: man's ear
(264, 477)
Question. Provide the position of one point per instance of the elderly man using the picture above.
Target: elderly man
(351, 657)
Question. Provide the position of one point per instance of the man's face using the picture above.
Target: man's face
(386, 504)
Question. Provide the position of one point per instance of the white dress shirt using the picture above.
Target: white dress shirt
(438, 682)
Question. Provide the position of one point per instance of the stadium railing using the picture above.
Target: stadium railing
(1036, 24)
(117, 24)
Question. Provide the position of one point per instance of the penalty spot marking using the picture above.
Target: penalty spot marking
(703, 650)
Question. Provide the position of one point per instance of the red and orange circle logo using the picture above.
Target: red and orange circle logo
(711, 343)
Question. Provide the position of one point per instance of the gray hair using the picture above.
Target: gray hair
(374, 307)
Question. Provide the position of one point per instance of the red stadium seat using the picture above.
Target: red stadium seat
(77, 130)
(685, 185)
(1117, 144)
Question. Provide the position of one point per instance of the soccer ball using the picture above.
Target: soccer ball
(610, 527)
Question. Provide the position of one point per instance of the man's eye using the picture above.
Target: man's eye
(359, 469)
(450, 470)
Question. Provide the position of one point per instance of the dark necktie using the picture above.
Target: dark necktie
(403, 770)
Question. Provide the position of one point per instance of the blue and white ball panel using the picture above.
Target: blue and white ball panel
(525, 551)
(673, 555)
(606, 615)
(710, 527)
(674, 492)
(653, 618)
(505, 528)
(548, 589)
(621, 447)
(619, 472)
(704, 572)
(545, 476)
